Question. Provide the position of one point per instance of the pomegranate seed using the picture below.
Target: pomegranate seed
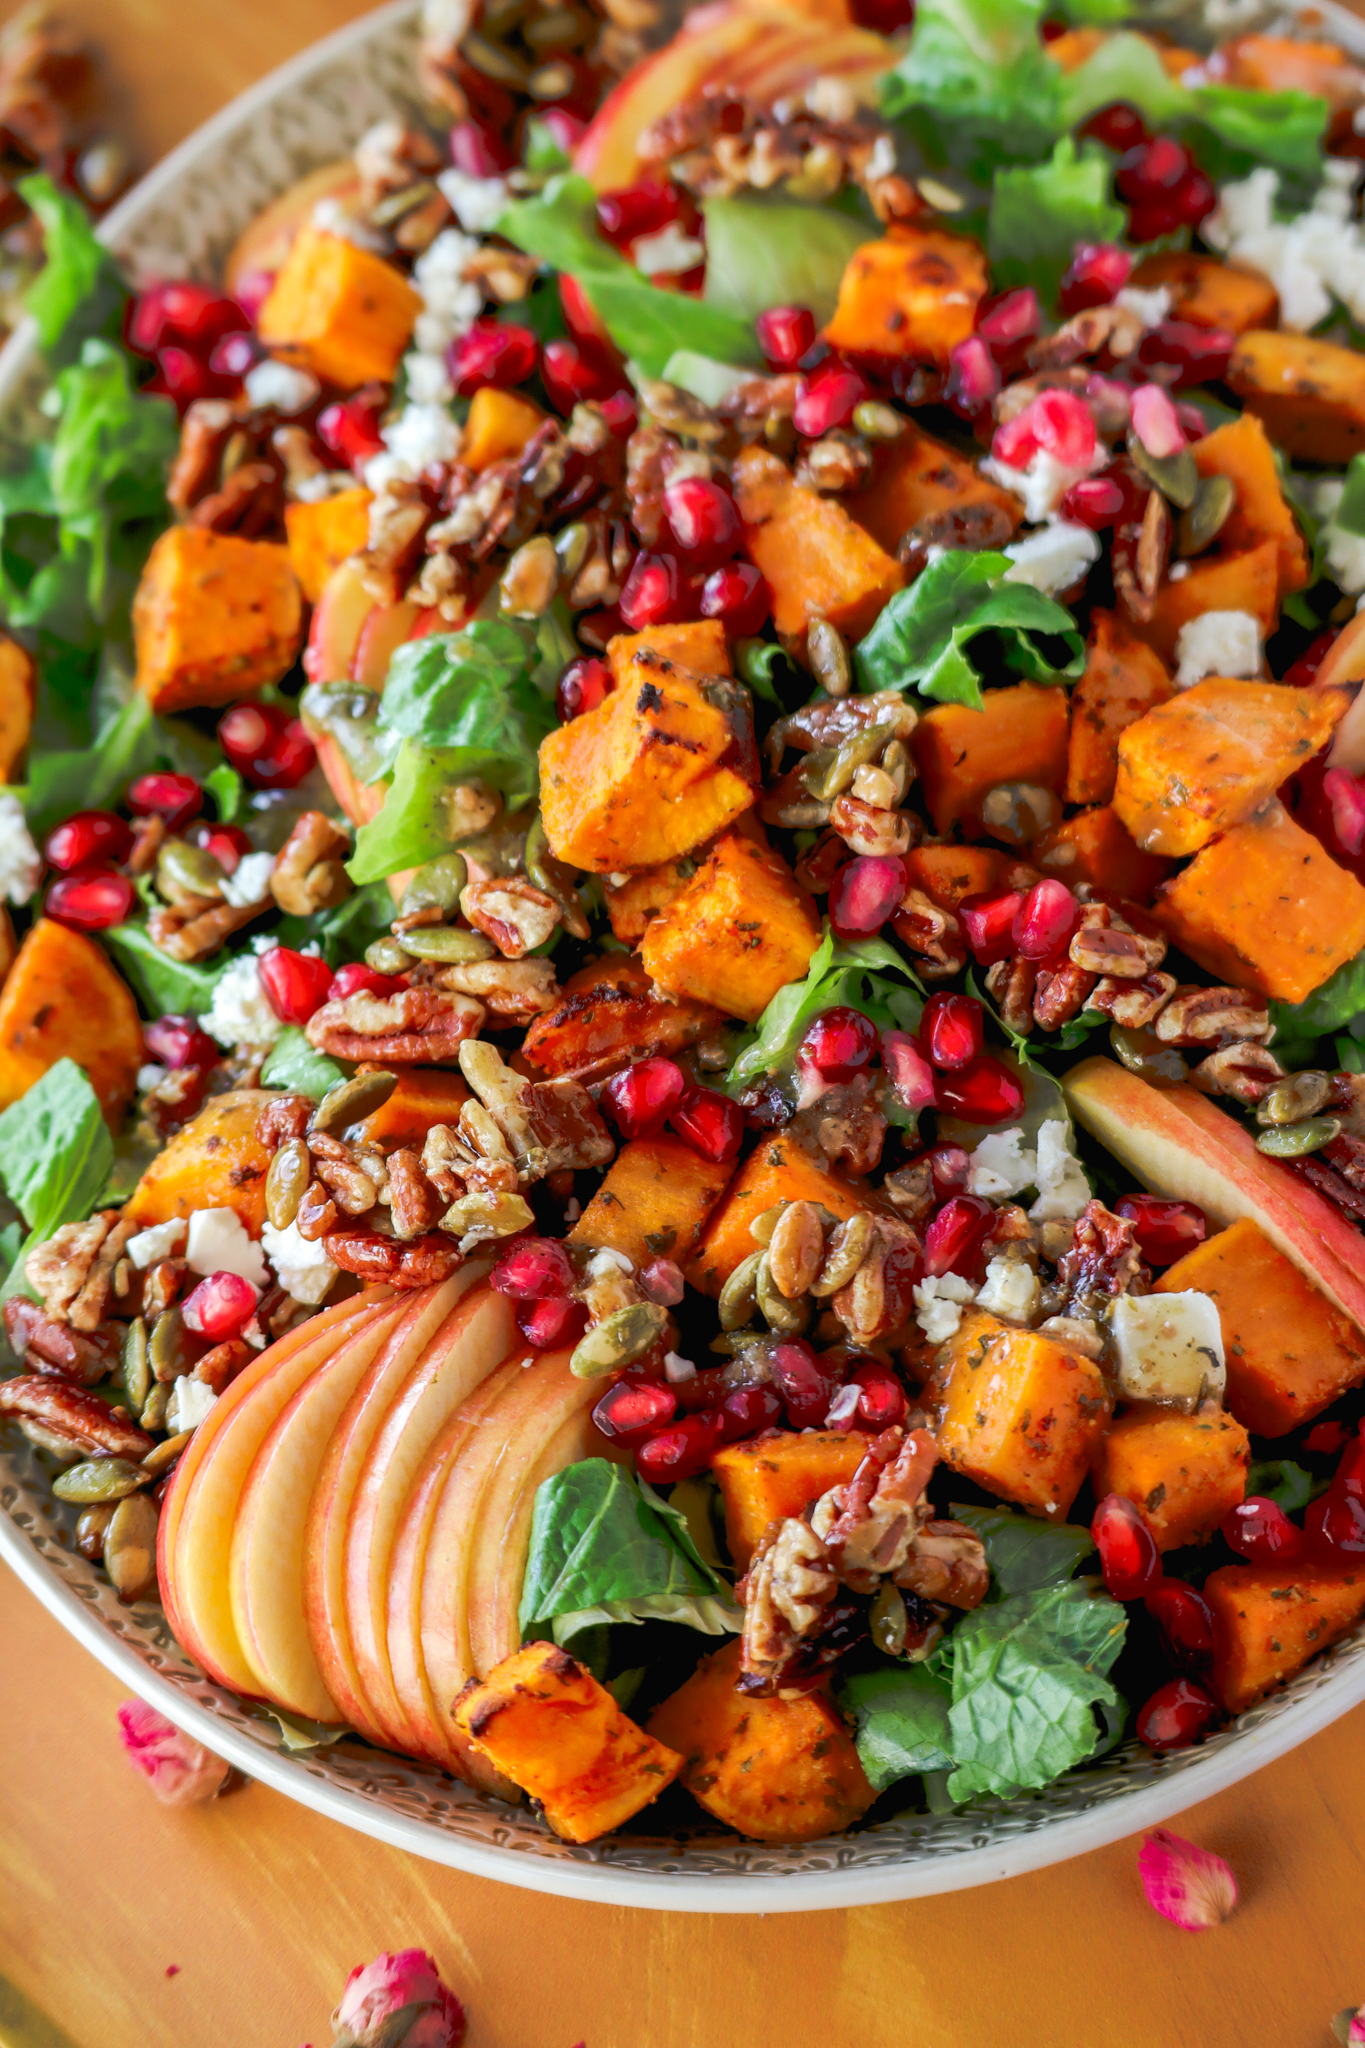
(640, 209)
(865, 893)
(988, 923)
(1196, 355)
(806, 1383)
(183, 377)
(1129, 1558)
(1176, 1715)
(884, 17)
(178, 1042)
(267, 747)
(952, 1029)
(1096, 502)
(355, 979)
(175, 799)
(1148, 222)
(984, 1092)
(1164, 1230)
(551, 1324)
(1064, 426)
(1260, 1530)
(493, 352)
(295, 984)
(748, 1411)
(1195, 198)
(1014, 318)
(1109, 398)
(785, 333)
(737, 595)
(1328, 1438)
(948, 1169)
(227, 843)
(584, 685)
(571, 375)
(234, 355)
(909, 1073)
(953, 1242)
(1336, 1523)
(701, 517)
(566, 130)
(973, 377)
(679, 1452)
(709, 1122)
(652, 595)
(1301, 673)
(881, 1401)
(478, 151)
(1184, 1618)
(85, 838)
(620, 413)
(350, 430)
(699, 1390)
(1045, 920)
(840, 1042)
(828, 398)
(1152, 172)
(533, 1269)
(91, 900)
(642, 1098)
(1098, 273)
(218, 1306)
(191, 314)
(1119, 127)
(1014, 442)
(634, 1409)
(1350, 1473)
(1346, 796)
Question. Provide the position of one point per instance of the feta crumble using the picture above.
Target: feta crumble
(1309, 259)
(250, 882)
(1001, 1165)
(330, 217)
(189, 1402)
(844, 1406)
(478, 204)
(667, 253)
(425, 431)
(1054, 558)
(240, 1013)
(1044, 483)
(21, 864)
(677, 1369)
(280, 385)
(939, 1304)
(302, 1267)
(1169, 1347)
(1150, 307)
(1063, 1189)
(1217, 644)
(1010, 1290)
(158, 1241)
(218, 1243)
(1344, 552)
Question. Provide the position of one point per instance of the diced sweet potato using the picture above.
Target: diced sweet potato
(1265, 907)
(654, 1202)
(1286, 64)
(698, 644)
(1269, 1620)
(1123, 679)
(639, 894)
(961, 754)
(947, 872)
(639, 779)
(63, 999)
(1207, 292)
(1018, 1413)
(778, 1770)
(778, 1475)
(499, 425)
(610, 1012)
(16, 704)
(546, 1724)
(1248, 582)
(916, 477)
(339, 311)
(424, 1096)
(740, 931)
(1242, 452)
(914, 295)
(1289, 1350)
(1210, 755)
(819, 563)
(325, 533)
(1185, 1472)
(215, 1162)
(781, 1170)
(215, 617)
(1310, 393)
(1096, 846)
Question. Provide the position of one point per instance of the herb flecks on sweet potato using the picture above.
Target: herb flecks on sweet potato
(946, 873)
(1017, 1412)
(779, 1170)
(698, 644)
(608, 1012)
(215, 617)
(63, 999)
(654, 1202)
(1206, 292)
(325, 532)
(1123, 679)
(962, 754)
(339, 311)
(215, 1162)
(1270, 1620)
(1309, 393)
(912, 295)
(818, 561)
(778, 1476)
(1183, 1472)
(1241, 451)
(1245, 582)
(423, 1097)
(1096, 846)
(740, 931)
(17, 681)
(915, 478)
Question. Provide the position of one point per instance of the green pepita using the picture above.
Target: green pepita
(494, 61)
(288, 1176)
(436, 885)
(571, 546)
(1175, 476)
(130, 1547)
(848, 1248)
(183, 870)
(91, 1527)
(1207, 516)
(98, 1479)
(387, 956)
(827, 775)
(1296, 1141)
(163, 1455)
(1296, 1097)
(887, 1621)
(828, 657)
(447, 943)
(135, 1368)
(877, 422)
(788, 1318)
(168, 1348)
(483, 1216)
(555, 878)
(153, 1416)
(530, 580)
(350, 1102)
(765, 1223)
(1143, 1053)
(625, 1334)
(738, 1299)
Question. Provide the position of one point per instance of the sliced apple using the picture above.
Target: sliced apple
(265, 244)
(1178, 1143)
(339, 618)
(383, 632)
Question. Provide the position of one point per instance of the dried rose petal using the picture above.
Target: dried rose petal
(1355, 2032)
(1186, 1884)
(180, 1770)
(407, 1982)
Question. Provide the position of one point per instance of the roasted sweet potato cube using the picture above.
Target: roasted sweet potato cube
(1289, 1350)
(16, 704)
(63, 999)
(778, 1770)
(1208, 292)
(339, 311)
(324, 533)
(915, 478)
(609, 1012)
(1018, 1413)
(779, 1170)
(1210, 755)
(1123, 679)
(913, 294)
(1309, 393)
(946, 873)
(962, 754)
(654, 1202)
(819, 563)
(1185, 1472)
(1241, 451)
(215, 617)
(215, 1162)
(1270, 1620)
(499, 425)
(639, 779)
(635, 896)
(1096, 846)
(1268, 63)
(424, 1097)
(740, 931)
(1265, 907)
(546, 1724)
(698, 644)
(1249, 582)
(773, 1477)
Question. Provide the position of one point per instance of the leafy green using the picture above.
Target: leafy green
(344, 931)
(761, 254)
(1238, 128)
(1125, 67)
(55, 1156)
(1340, 1001)
(976, 87)
(1024, 1555)
(91, 778)
(227, 789)
(838, 974)
(757, 660)
(78, 291)
(295, 1066)
(605, 1548)
(540, 152)
(703, 376)
(921, 637)
(1284, 1482)
(900, 1712)
(1038, 212)
(647, 324)
(168, 988)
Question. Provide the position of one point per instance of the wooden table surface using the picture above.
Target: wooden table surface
(126, 1925)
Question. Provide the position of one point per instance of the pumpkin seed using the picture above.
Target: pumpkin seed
(788, 1318)
(848, 1248)
(184, 870)
(887, 1620)
(386, 956)
(163, 1455)
(530, 580)
(766, 1222)
(1207, 516)
(895, 762)
(98, 1479)
(1294, 1098)
(625, 1334)
(551, 81)
(555, 879)
(492, 60)
(395, 204)
(877, 422)
(169, 1348)
(827, 775)
(350, 1102)
(290, 1172)
(738, 1299)
(480, 1217)
(1175, 476)
(1143, 1053)
(436, 885)
(1296, 1141)
(135, 1369)
(796, 1250)
(91, 1526)
(153, 1416)
(130, 1547)
(571, 548)
(448, 943)
(828, 657)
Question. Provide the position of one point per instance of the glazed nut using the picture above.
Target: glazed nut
(98, 1479)
(868, 830)
(796, 1249)
(619, 1338)
(849, 1246)
(350, 1102)
(788, 1318)
(1245, 1073)
(309, 872)
(1100, 949)
(1208, 1016)
(515, 915)
(530, 580)
(287, 1177)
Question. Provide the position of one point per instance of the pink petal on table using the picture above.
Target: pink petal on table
(180, 1770)
(1186, 1884)
(406, 1982)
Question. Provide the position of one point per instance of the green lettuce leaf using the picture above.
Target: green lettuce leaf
(779, 254)
(469, 690)
(1038, 212)
(227, 789)
(1238, 128)
(1124, 67)
(78, 291)
(900, 1714)
(921, 637)
(343, 932)
(295, 1066)
(1024, 1555)
(55, 1156)
(838, 974)
(167, 988)
(975, 87)
(92, 778)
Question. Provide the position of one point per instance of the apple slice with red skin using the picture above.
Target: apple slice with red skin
(338, 621)
(384, 630)
(1178, 1143)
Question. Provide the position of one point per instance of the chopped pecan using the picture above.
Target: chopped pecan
(317, 1213)
(418, 1025)
(302, 468)
(1346, 1099)
(283, 1118)
(188, 935)
(502, 274)
(1331, 1184)
(786, 1590)
(176, 1098)
(399, 518)
(87, 1310)
(1059, 994)
(1103, 1261)
(249, 502)
(548, 1125)
(868, 830)
(605, 563)
(1011, 983)
(1132, 1004)
(219, 1368)
(308, 874)
(1104, 948)
(838, 461)
(45, 1344)
(933, 935)
(207, 428)
(831, 721)
(1346, 1154)
(390, 157)
(64, 1418)
(514, 914)
(59, 1267)
(373, 1258)
(413, 1203)
(964, 528)
(911, 1190)
(1244, 1072)
(1215, 1017)
(1153, 546)
(947, 1562)
(869, 1526)
(520, 989)
(845, 1124)
(1115, 328)
(149, 836)
(335, 1164)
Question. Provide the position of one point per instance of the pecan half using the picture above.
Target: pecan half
(789, 1584)
(219, 1368)
(187, 935)
(514, 914)
(46, 1345)
(1059, 994)
(867, 830)
(345, 1179)
(1131, 1003)
(933, 935)
(425, 1025)
(947, 1563)
(413, 1203)
(373, 1258)
(520, 989)
(1011, 984)
(207, 428)
(63, 1418)
(1244, 1072)
(283, 1118)
(1108, 949)
(1214, 1017)
(59, 1268)
(308, 874)
(250, 502)
(1103, 1261)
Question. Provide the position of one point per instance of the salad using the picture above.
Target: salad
(683, 1030)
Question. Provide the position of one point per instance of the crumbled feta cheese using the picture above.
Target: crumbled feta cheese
(1345, 554)
(1063, 1189)
(1054, 558)
(1217, 644)
(1010, 1290)
(1318, 254)
(1151, 308)
(189, 1402)
(158, 1241)
(311, 490)
(1044, 483)
(939, 1303)
(21, 863)
(280, 385)
(667, 253)
(301, 1264)
(844, 1406)
(422, 435)
(677, 1369)
(1001, 1165)
(882, 162)
(330, 217)
(240, 1013)
(250, 882)
(1168, 1347)
(604, 1263)
(150, 1076)
(428, 379)
(478, 204)
(218, 1243)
